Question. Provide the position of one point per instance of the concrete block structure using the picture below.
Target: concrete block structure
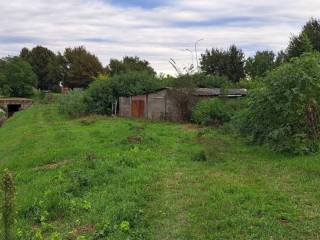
(12, 105)
(161, 104)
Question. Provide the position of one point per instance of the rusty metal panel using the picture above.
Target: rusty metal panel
(137, 108)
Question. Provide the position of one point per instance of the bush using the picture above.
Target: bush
(99, 97)
(73, 104)
(211, 112)
(285, 113)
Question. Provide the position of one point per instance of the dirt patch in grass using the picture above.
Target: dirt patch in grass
(135, 139)
(51, 165)
(190, 127)
(79, 230)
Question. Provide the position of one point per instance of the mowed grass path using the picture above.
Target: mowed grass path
(111, 178)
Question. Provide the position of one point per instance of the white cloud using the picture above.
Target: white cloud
(154, 34)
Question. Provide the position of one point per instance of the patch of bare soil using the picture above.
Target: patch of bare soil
(190, 127)
(79, 230)
(135, 139)
(51, 165)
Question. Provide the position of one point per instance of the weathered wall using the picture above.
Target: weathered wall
(125, 106)
(156, 105)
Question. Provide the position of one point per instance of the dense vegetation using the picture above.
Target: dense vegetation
(16, 78)
(212, 112)
(109, 178)
(285, 112)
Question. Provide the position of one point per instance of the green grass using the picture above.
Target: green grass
(111, 178)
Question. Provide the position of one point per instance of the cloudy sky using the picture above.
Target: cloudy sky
(156, 30)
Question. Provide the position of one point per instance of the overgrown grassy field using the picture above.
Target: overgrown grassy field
(111, 178)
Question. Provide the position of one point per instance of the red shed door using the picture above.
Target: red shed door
(137, 108)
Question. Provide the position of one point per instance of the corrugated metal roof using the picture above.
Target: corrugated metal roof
(221, 92)
(212, 92)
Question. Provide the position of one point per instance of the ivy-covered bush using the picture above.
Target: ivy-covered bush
(73, 104)
(211, 112)
(285, 112)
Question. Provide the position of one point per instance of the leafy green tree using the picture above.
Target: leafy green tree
(25, 54)
(134, 83)
(260, 64)
(16, 78)
(40, 59)
(214, 62)
(281, 58)
(57, 72)
(82, 67)
(308, 40)
(285, 113)
(129, 64)
(228, 63)
(299, 45)
(235, 65)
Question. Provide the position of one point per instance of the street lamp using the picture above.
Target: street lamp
(195, 49)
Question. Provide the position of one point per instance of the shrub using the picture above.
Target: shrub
(73, 104)
(211, 112)
(99, 97)
(285, 113)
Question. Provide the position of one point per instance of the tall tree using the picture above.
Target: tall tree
(25, 53)
(129, 64)
(228, 63)
(16, 78)
(307, 41)
(40, 58)
(260, 64)
(282, 57)
(235, 65)
(82, 67)
(57, 71)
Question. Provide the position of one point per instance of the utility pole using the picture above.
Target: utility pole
(195, 49)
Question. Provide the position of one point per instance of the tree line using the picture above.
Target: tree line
(41, 68)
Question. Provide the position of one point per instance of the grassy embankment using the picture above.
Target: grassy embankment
(110, 178)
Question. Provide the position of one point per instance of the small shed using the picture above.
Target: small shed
(161, 105)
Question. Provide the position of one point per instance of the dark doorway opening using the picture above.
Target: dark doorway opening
(13, 108)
